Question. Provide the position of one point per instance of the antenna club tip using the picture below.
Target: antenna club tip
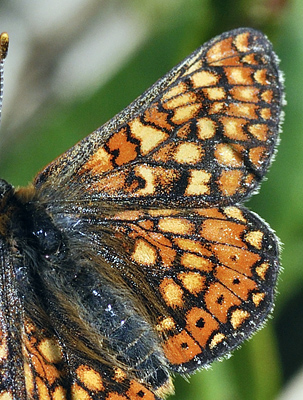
(4, 41)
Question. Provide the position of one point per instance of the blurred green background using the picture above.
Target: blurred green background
(73, 65)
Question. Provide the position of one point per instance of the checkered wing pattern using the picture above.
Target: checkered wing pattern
(130, 257)
(212, 273)
(202, 135)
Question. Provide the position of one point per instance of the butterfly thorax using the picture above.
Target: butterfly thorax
(25, 222)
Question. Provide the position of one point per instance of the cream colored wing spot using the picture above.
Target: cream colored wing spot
(239, 76)
(166, 324)
(215, 93)
(144, 253)
(148, 136)
(218, 338)
(3, 345)
(59, 393)
(172, 293)
(162, 213)
(245, 93)
(180, 101)
(120, 375)
(193, 282)
(191, 246)
(185, 113)
(261, 270)
(267, 96)
(174, 91)
(250, 59)
(226, 155)
(235, 213)
(241, 42)
(28, 376)
(246, 110)
(216, 108)
(193, 261)
(198, 183)
(233, 128)
(50, 350)
(238, 317)
(259, 131)
(260, 76)
(179, 226)
(255, 238)
(148, 174)
(206, 128)
(43, 392)
(90, 378)
(257, 298)
(204, 79)
(188, 153)
(265, 113)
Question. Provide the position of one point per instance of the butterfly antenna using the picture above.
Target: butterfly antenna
(3, 51)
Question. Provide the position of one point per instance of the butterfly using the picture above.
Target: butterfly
(131, 257)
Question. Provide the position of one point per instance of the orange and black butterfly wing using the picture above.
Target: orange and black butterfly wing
(188, 284)
(53, 371)
(212, 274)
(202, 135)
(49, 370)
(191, 285)
(204, 279)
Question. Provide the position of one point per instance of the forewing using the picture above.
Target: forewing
(204, 134)
(211, 273)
